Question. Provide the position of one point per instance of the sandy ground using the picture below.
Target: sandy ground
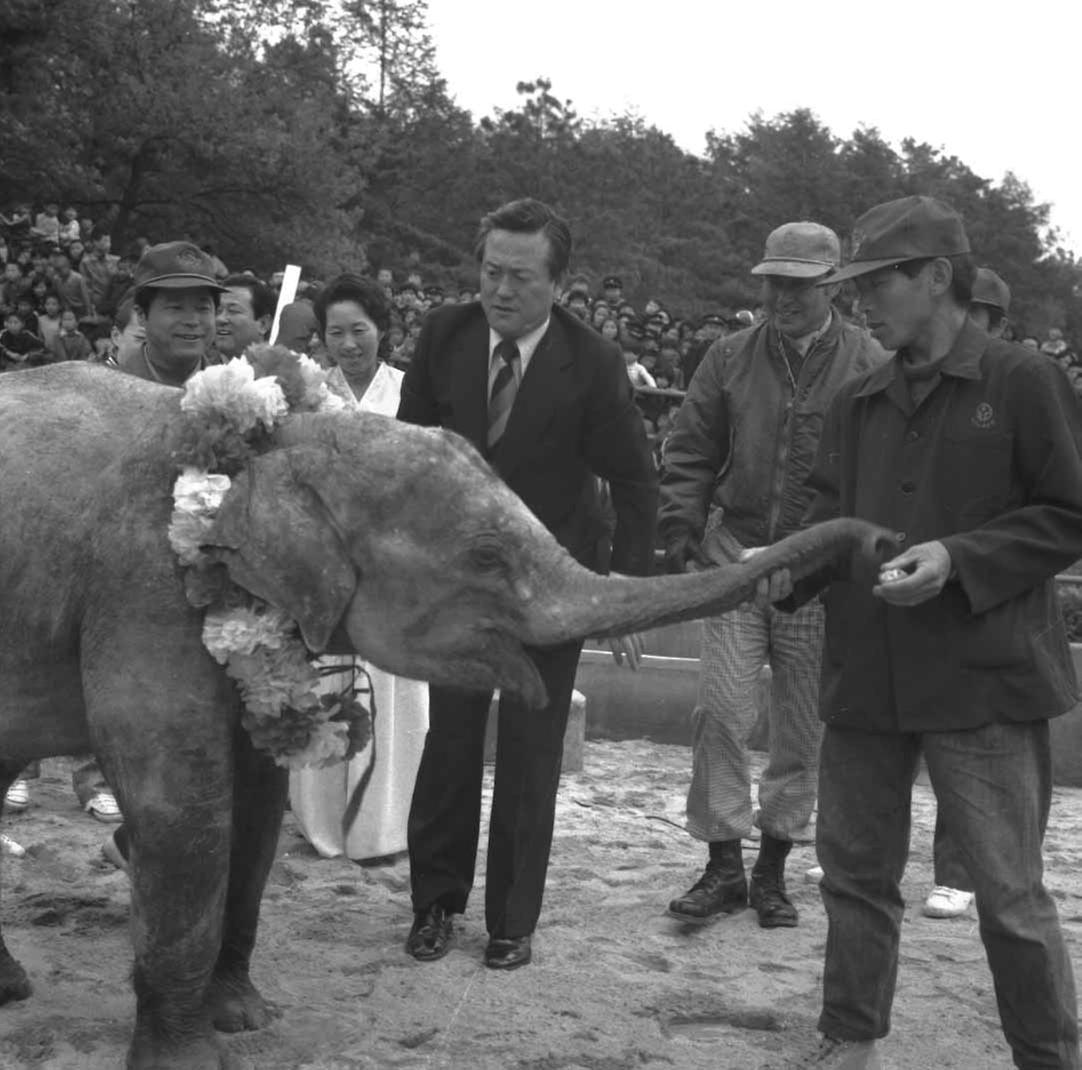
(614, 984)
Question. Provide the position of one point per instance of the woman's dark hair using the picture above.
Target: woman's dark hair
(964, 274)
(529, 216)
(364, 292)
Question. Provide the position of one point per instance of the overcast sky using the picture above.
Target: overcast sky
(997, 85)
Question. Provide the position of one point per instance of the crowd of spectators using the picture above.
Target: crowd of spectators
(64, 295)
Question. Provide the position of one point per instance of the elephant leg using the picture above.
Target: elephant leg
(161, 718)
(259, 795)
(14, 984)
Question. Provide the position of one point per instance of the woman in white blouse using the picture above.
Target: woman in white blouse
(353, 316)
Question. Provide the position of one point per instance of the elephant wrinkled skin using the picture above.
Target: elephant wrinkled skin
(396, 540)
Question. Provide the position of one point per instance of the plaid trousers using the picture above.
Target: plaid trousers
(735, 647)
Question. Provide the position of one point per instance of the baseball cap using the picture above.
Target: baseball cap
(990, 289)
(800, 251)
(175, 265)
(910, 228)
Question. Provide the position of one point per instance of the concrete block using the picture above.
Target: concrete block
(574, 734)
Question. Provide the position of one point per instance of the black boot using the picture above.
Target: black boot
(722, 889)
(767, 891)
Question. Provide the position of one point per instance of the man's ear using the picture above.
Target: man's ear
(277, 540)
(940, 275)
(265, 323)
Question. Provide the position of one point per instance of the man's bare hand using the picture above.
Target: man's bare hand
(923, 569)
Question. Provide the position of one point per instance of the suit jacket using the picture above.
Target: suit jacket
(574, 418)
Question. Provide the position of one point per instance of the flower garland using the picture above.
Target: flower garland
(231, 410)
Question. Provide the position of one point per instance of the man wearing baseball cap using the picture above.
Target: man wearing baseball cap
(968, 448)
(176, 300)
(734, 470)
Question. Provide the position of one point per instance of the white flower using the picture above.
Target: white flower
(327, 744)
(197, 496)
(232, 391)
(241, 630)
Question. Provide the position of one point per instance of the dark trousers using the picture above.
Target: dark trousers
(445, 816)
(993, 787)
(947, 862)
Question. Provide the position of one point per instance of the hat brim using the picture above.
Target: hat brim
(182, 282)
(864, 267)
(793, 269)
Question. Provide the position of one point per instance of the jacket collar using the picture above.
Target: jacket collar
(962, 362)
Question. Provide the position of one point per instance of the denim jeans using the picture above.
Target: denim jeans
(993, 786)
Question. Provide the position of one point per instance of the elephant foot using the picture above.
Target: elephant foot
(235, 1005)
(14, 984)
(199, 1053)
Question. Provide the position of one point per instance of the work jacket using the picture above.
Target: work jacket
(990, 465)
(746, 434)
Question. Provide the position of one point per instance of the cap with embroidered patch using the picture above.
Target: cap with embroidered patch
(910, 228)
(612, 282)
(800, 251)
(175, 265)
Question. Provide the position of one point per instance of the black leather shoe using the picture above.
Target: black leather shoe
(769, 901)
(430, 935)
(507, 953)
(720, 890)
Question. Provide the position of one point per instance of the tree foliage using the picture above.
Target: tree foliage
(321, 132)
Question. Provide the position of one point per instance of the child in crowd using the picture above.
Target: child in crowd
(70, 342)
(638, 375)
(69, 228)
(49, 320)
(18, 347)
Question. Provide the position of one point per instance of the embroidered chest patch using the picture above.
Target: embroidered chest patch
(984, 416)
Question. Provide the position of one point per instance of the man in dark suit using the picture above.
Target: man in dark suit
(548, 402)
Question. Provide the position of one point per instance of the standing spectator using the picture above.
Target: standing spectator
(98, 268)
(70, 343)
(49, 320)
(176, 301)
(559, 413)
(971, 449)
(70, 286)
(245, 315)
(711, 327)
(118, 287)
(734, 478)
(612, 290)
(952, 890)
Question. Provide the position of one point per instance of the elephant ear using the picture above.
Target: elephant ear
(277, 540)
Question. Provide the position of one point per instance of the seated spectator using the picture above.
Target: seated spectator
(18, 347)
(77, 254)
(599, 313)
(70, 343)
(25, 307)
(610, 329)
(12, 286)
(638, 375)
(86, 229)
(576, 304)
(69, 228)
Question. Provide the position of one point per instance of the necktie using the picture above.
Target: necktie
(503, 390)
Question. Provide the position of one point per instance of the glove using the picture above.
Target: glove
(682, 550)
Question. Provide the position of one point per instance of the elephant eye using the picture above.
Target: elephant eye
(487, 557)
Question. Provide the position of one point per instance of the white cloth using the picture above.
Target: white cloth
(319, 796)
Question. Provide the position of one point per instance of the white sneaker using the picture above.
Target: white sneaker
(18, 796)
(843, 1055)
(813, 875)
(944, 902)
(9, 847)
(104, 807)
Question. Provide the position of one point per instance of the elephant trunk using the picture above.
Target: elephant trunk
(584, 605)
